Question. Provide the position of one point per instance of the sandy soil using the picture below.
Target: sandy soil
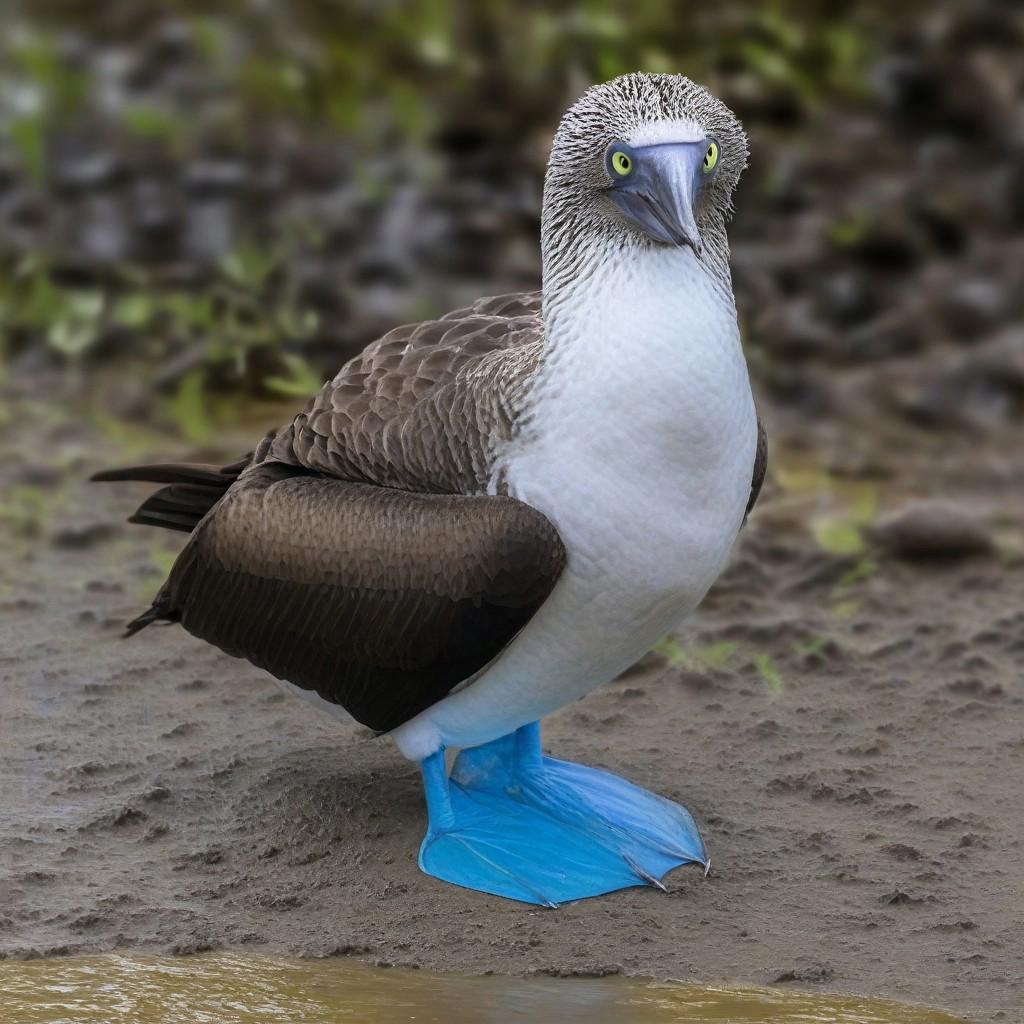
(851, 743)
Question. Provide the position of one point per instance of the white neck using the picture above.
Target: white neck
(643, 346)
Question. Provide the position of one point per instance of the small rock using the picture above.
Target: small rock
(596, 971)
(973, 307)
(806, 973)
(288, 901)
(906, 84)
(793, 330)
(78, 536)
(39, 474)
(930, 529)
(898, 897)
(902, 851)
(79, 167)
(115, 819)
(207, 178)
(847, 298)
(193, 945)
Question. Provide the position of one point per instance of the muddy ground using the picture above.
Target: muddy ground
(200, 215)
(847, 728)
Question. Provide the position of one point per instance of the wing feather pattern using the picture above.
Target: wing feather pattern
(380, 600)
(422, 407)
(760, 466)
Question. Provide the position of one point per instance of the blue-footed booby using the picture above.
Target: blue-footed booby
(483, 517)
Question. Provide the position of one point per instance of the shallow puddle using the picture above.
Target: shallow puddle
(236, 989)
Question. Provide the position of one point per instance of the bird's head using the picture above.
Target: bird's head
(645, 158)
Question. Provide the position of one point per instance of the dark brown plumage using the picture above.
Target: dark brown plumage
(423, 407)
(191, 492)
(380, 600)
(760, 466)
(351, 558)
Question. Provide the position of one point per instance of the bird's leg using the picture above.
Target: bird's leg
(527, 753)
(437, 792)
(515, 823)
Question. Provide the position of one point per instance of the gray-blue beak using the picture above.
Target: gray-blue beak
(659, 192)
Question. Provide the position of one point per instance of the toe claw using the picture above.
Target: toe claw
(646, 876)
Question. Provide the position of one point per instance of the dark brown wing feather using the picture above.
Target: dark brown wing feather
(760, 465)
(380, 600)
(421, 408)
(191, 491)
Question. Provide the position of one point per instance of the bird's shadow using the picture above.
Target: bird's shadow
(331, 792)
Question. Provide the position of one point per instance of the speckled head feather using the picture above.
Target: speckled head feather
(639, 109)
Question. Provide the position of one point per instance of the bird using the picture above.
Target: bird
(485, 516)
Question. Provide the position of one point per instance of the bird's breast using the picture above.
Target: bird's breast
(641, 437)
(647, 525)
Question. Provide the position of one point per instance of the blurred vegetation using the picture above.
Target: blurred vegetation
(210, 200)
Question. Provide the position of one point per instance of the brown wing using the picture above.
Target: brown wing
(380, 600)
(421, 408)
(760, 466)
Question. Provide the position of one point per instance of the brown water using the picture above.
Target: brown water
(226, 988)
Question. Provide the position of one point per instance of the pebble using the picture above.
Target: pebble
(930, 529)
(77, 536)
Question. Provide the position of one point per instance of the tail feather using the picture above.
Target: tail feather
(155, 614)
(175, 472)
(179, 506)
(191, 492)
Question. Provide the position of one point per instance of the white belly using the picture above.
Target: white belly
(646, 480)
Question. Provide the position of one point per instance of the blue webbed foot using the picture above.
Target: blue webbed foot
(517, 824)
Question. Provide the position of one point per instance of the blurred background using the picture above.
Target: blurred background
(206, 205)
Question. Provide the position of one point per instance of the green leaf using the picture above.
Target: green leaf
(812, 645)
(78, 321)
(134, 311)
(163, 560)
(769, 673)
(864, 569)
(43, 304)
(865, 507)
(846, 609)
(672, 651)
(845, 234)
(302, 380)
(189, 311)
(716, 656)
(248, 265)
(25, 511)
(188, 408)
(839, 536)
(298, 323)
(72, 337)
(27, 134)
(207, 38)
(85, 305)
(149, 122)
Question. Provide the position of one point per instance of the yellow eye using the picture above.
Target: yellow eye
(621, 163)
(711, 157)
